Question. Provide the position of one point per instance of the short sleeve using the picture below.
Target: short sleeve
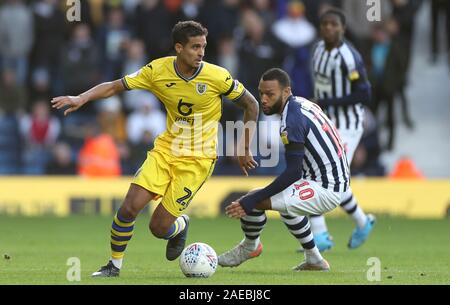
(229, 87)
(141, 79)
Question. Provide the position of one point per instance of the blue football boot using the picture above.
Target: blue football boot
(359, 236)
(323, 241)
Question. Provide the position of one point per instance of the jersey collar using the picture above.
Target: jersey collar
(290, 98)
(184, 78)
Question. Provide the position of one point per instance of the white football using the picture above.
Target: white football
(198, 260)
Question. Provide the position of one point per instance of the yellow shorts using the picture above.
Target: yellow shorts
(175, 179)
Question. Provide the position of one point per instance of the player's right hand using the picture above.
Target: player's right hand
(235, 210)
(246, 162)
(72, 102)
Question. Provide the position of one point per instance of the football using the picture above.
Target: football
(198, 260)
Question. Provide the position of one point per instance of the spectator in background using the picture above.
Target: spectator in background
(16, 37)
(258, 51)
(294, 29)
(40, 84)
(366, 161)
(39, 131)
(50, 31)
(111, 118)
(147, 118)
(96, 11)
(173, 6)
(404, 14)
(152, 25)
(12, 103)
(190, 9)
(99, 156)
(13, 96)
(227, 55)
(112, 122)
(112, 38)
(359, 27)
(10, 145)
(129, 7)
(62, 162)
(440, 12)
(139, 150)
(264, 10)
(80, 62)
(221, 17)
(297, 34)
(135, 59)
(143, 126)
(87, 12)
(228, 58)
(387, 74)
(314, 8)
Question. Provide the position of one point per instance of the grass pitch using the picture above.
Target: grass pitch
(36, 250)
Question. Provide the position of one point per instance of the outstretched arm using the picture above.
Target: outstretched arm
(101, 91)
(251, 109)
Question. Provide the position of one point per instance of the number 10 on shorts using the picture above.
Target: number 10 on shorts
(306, 192)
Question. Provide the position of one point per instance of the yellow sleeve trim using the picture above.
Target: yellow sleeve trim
(354, 75)
(284, 138)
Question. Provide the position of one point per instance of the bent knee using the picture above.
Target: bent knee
(158, 230)
(128, 211)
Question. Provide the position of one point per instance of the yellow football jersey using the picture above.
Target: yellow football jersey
(194, 105)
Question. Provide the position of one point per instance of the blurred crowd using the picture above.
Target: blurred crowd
(42, 55)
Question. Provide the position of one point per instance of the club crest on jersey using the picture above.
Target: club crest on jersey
(201, 88)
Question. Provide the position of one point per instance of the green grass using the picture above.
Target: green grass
(410, 251)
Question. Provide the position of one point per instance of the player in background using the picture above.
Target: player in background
(341, 89)
(184, 155)
(315, 180)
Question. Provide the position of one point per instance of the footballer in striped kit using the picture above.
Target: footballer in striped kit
(315, 181)
(341, 88)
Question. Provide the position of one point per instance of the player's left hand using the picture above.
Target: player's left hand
(235, 210)
(247, 162)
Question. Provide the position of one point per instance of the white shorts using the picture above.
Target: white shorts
(350, 139)
(306, 197)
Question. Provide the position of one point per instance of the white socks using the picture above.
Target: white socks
(117, 262)
(181, 224)
(313, 256)
(359, 217)
(318, 224)
(251, 244)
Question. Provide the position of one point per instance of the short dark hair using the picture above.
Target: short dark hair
(336, 12)
(185, 29)
(277, 74)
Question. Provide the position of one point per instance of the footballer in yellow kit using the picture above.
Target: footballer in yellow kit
(183, 156)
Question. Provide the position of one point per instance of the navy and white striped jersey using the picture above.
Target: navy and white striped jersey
(339, 73)
(324, 160)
